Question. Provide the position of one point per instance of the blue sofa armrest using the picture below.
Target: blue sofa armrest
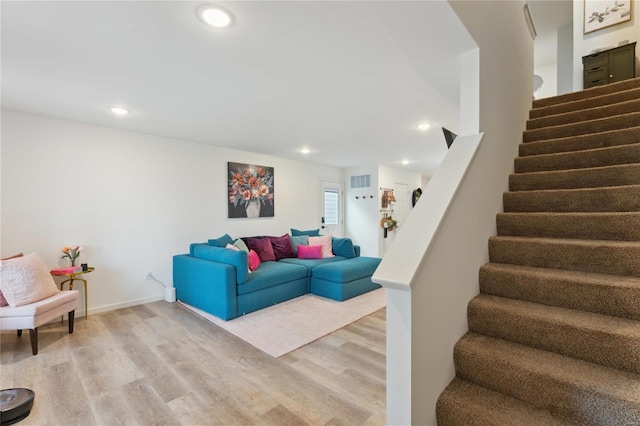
(357, 249)
(237, 259)
(207, 285)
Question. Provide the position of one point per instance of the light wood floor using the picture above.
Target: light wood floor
(160, 363)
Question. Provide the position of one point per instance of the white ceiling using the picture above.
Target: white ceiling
(350, 80)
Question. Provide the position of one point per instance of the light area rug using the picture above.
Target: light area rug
(282, 328)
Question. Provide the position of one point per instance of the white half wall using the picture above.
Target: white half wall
(132, 200)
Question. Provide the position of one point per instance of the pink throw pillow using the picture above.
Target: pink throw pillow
(254, 260)
(309, 252)
(325, 242)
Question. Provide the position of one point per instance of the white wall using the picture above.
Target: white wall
(565, 60)
(132, 200)
(361, 214)
(583, 44)
(388, 177)
(549, 76)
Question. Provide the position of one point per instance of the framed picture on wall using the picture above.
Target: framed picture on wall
(250, 190)
(599, 14)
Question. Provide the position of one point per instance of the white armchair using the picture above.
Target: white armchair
(32, 297)
(35, 314)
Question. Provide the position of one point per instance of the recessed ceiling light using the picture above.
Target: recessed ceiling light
(405, 162)
(305, 150)
(423, 126)
(119, 110)
(215, 16)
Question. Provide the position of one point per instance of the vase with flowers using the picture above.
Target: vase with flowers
(251, 188)
(72, 253)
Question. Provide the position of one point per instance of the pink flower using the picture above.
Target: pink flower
(246, 195)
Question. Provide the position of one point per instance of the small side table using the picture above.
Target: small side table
(74, 276)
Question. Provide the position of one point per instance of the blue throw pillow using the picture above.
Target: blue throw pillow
(310, 232)
(299, 240)
(222, 241)
(343, 247)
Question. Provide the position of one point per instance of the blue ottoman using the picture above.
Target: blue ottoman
(345, 279)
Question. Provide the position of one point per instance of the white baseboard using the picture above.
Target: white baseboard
(127, 304)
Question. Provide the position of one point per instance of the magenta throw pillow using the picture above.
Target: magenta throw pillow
(282, 247)
(263, 247)
(254, 260)
(309, 252)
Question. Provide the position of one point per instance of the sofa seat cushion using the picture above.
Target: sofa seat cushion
(310, 264)
(270, 274)
(347, 270)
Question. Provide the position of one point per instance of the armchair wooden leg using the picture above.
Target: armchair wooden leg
(72, 316)
(34, 340)
(19, 333)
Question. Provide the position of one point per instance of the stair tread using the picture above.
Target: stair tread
(587, 177)
(605, 99)
(464, 402)
(583, 127)
(564, 274)
(569, 190)
(588, 158)
(566, 241)
(615, 295)
(615, 137)
(616, 226)
(586, 114)
(574, 318)
(592, 92)
(594, 337)
(559, 370)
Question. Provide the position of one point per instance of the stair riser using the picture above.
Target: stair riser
(584, 115)
(626, 154)
(623, 96)
(596, 257)
(620, 175)
(579, 143)
(583, 404)
(577, 129)
(616, 199)
(588, 93)
(464, 403)
(612, 349)
(614, 227)
(556, 290)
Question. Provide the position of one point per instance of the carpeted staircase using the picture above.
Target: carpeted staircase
(554, 335)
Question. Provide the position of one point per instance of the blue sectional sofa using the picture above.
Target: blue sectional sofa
(216, 280)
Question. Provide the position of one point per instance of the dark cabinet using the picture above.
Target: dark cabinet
(609, 66)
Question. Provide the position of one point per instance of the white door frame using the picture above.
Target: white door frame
(335, 230)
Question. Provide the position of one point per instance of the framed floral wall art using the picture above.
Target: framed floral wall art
(599, 14)
(250, 190)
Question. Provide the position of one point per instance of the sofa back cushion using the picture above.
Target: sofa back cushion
(221, 241)
(237, 259)
(343, 247)
(310, 232)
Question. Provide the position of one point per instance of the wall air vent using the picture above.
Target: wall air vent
(363, 181)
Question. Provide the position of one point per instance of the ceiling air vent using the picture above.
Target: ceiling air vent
(363, 181)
